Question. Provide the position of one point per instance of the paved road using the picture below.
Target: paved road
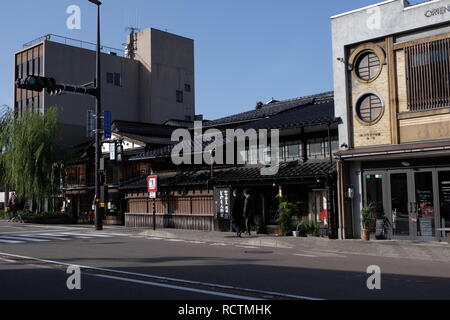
(123, 265)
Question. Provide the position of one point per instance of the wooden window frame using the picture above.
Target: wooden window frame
(358, 102)
(427, 68)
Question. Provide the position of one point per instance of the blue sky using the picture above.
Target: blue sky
(245, 50)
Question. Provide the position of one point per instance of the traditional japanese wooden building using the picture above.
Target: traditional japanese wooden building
(128, 139)
(307, 171)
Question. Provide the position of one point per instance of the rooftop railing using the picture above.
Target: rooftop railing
(74, 43)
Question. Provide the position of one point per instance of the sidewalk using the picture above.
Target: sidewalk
(429, 251)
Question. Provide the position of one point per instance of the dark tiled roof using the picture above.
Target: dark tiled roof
(271, 109)
(181, 178)
(147, 139)
(143, 129)
(179, 123)
(312, 114)
(285, 114)
(287, 171)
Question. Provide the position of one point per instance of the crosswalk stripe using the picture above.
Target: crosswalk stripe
(65, 236)
(91, 235)
(28, 239)
(50, 237)
(305, 255)
(10, 241)
(118, 234)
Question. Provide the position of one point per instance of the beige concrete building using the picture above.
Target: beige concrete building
(151, 81)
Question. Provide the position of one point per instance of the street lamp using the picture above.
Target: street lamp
(98, 111)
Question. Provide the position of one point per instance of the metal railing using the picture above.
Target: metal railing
(73, 42)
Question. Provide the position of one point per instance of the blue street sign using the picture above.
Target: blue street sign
(107, 123)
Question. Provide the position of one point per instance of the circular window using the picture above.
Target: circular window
(369, 108)
(368, 66)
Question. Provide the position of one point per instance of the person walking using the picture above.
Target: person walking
(249, 210)
(12, 204)
(237, 211)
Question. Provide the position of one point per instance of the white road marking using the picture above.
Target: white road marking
(305, 255)
(321, 254)
(91, 235)
(196, 242)
(149, 283)
(247, 247)
(219, 244)
(175, 240)
(10, 241)
(50, 237)
(118, 234)
(27, 239)
(55, 235)
(218, 286)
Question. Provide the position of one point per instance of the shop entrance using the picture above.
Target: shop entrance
(416, 202)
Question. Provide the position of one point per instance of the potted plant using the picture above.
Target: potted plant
(299, 231)
(286, 211)
(311, 228)
(367, 221)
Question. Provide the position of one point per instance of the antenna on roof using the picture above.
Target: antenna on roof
(131, 46)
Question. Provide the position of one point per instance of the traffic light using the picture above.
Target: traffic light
(36, 83)
(55, 90)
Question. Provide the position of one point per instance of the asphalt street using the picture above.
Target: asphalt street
(124, 265)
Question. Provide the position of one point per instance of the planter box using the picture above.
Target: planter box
(113, 221)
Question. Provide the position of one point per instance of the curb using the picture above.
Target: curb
(206, 237)
(402, 250)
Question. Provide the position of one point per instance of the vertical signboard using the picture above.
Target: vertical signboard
(152, 183)
(112, 151)
(222, 199)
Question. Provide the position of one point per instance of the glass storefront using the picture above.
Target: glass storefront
(426, 213)
(399, 204)
(416, 202)
(444, 200)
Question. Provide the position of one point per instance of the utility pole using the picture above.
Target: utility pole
(98, 117)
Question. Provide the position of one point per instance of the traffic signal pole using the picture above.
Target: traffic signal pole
(38, 84)
(98, 118)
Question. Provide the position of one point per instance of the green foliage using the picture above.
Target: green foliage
(286, 211)
(310, 227)
(30, 161)
(259, 225)
(46, 217)
(368, 217)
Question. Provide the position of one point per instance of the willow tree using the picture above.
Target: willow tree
(30, 159)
